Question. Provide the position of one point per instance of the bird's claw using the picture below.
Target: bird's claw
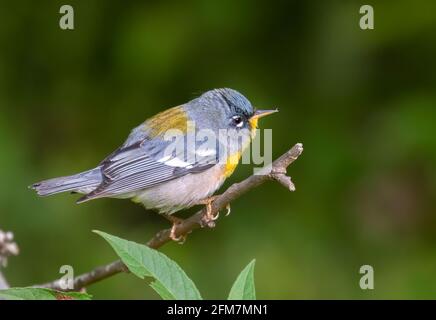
(215, 217)
(228, 209)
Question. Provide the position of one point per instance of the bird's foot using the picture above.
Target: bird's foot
(209, 218)
(175, 222)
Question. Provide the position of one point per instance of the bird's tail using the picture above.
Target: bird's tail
(83, 182)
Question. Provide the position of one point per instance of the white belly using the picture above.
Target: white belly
(183, 192)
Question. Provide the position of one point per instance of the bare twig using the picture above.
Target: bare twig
(7, 248)
(277, 173)
(3, 283)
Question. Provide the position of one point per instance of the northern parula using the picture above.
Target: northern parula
(152, 169)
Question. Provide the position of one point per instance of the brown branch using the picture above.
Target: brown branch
(277, 172)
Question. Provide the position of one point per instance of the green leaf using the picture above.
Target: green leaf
(171, 282)
(243, 288)
(161, 290)
(28, 293)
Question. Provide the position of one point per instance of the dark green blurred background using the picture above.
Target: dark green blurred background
(362, 102)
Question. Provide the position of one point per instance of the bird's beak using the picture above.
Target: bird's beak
(262, 113)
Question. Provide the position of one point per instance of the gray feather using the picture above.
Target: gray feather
(83, 182)
(138, 167)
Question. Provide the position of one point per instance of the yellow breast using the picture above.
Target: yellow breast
(233, 160)
(231, 164)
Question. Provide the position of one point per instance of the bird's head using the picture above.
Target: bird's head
(229, 109)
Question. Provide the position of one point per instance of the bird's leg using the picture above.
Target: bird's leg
(175, 222)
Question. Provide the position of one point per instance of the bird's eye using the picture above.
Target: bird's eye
(237, 121)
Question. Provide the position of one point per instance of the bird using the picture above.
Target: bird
(174, 160)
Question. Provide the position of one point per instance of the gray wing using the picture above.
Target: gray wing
(145, 164)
